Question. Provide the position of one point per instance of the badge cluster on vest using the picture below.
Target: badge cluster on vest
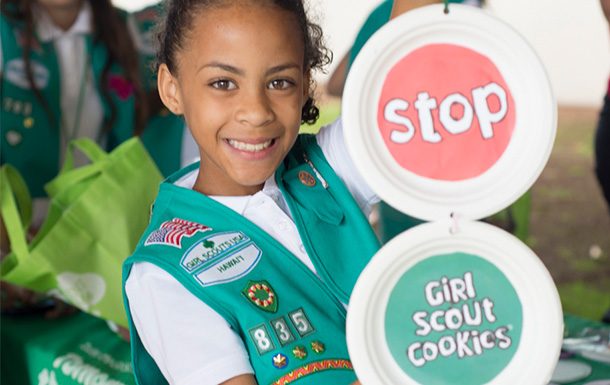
(17, 107)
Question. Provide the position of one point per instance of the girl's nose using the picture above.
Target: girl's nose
(255, 109)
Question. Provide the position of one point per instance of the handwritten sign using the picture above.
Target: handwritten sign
(453, 318)
(446, 112)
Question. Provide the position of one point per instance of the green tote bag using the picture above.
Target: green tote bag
(96, 217)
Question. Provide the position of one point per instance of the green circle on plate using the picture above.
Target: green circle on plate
(453, 319)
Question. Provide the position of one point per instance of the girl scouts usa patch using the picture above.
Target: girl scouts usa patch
(170, 233)
(221, 257)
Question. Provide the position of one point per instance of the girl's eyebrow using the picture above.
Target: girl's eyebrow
(238, 71)
(226, 67)
(282, 67)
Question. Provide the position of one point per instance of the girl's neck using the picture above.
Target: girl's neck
(63, 16)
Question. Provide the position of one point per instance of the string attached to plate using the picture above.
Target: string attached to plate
(446, 10)
(455, 225)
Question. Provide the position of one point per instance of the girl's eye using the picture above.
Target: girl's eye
(223, 84)
(280, 84)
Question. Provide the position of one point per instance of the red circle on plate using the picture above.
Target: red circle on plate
(446, 112)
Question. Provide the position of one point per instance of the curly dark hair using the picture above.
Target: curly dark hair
(179, 15)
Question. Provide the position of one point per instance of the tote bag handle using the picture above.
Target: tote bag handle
(16, 211)
(68, 175)
(15, 207)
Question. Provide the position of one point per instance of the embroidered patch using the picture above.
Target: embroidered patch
(318, 366)
(299, 352)
(171, 232)
(301, 323)
(229, 266)
(280, 361)
(261, 339)
(262, 295)
(282, 331)
(17, 75)
(211, 248)
(122, 87)
(19, 107)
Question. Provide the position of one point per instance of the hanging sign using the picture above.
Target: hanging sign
(450, 118)
(448, 113)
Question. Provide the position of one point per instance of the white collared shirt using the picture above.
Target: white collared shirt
(72, 56)
(74, 66)
(168, 317)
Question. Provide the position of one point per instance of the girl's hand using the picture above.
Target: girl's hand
(19, 300)
(244, 379)
(402, 6)
(248, 379)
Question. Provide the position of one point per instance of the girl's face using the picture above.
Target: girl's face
(241, 85)
(60, 4)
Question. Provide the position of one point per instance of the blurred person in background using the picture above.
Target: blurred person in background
(602, 136)
(72, 69)
(602, 143)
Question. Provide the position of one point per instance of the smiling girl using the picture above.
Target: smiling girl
(246, 268)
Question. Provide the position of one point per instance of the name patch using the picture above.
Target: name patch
(16, 74)
(221, 258)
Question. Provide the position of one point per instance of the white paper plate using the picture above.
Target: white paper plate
(568, 371)
(599, 382)
(597, 356)
(449, 56)
(381, 326)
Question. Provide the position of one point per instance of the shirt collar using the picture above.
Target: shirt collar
(48, 31)
(238, 204)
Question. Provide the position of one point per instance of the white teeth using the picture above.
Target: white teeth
(249, 146)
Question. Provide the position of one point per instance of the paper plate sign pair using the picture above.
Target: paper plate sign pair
(450, 118)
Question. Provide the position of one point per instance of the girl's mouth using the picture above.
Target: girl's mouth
(250, 147)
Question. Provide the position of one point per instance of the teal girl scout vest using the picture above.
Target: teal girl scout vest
(292, 322)
(30, 141)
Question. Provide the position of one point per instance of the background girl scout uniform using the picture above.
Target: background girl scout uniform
(67, 66)
(265, 310)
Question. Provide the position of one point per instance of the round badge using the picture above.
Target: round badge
(442, 116)
(307, 179)
(441, 304)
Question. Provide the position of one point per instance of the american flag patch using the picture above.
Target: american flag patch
(171, 232)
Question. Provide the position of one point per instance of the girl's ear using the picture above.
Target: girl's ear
(169, 90)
